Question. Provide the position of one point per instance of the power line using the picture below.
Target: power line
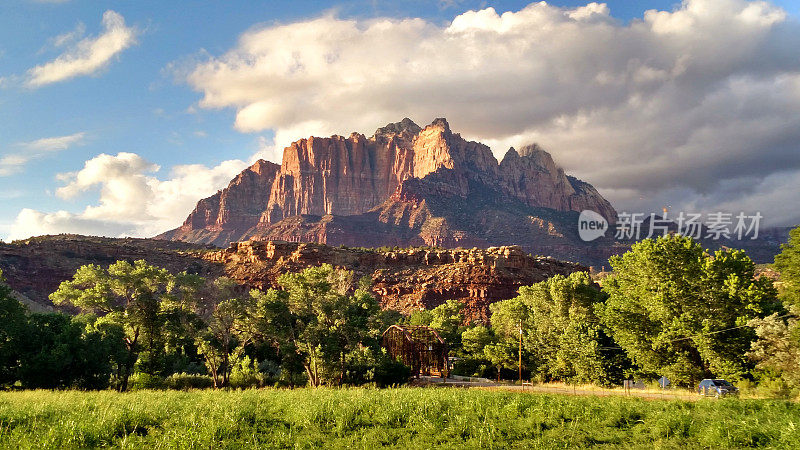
(698, 335)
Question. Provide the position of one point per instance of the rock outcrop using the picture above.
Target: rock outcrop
(35, 267)
(394, 188)
(404, 280)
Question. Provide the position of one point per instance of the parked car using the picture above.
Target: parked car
(717, 388)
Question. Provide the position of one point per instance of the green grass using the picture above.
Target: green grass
(402, 418)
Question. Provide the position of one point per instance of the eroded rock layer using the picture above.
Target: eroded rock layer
(405, 279)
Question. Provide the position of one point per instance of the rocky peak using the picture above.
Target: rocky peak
(510, 155)
(262, 167)
(440, 123)
(530, 149)
(405, 126)
(537, 155)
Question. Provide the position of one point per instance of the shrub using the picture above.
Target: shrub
(186, 381)
(473, 367)
(141, 380)
(245, 374)
(368, 366)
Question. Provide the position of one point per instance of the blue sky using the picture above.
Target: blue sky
(140, 101)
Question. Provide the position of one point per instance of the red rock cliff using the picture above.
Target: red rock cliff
(355, 177)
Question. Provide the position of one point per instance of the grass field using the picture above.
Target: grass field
(402, 418)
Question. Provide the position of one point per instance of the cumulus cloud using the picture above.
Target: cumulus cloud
(687, 107)
(132, 200)
(14, 162)
(85, 56)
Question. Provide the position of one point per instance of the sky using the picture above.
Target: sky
(117, 116)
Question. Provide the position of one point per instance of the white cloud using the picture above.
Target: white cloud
(692, 100)
(55, 143)
(14, 162)
(132, 201)
(87, 55)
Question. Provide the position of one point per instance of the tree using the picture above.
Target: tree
(787, 262)
(226, 334)
(13, 324)
(503, 354)
(777, 350)
(475, 339)
(681, 312)
(565, 334)
(140, 297)
(322, 318)
(271, 321)
(447, 319)
(508, 318)
(61, 351)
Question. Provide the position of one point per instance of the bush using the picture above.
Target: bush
(141, 380)
(473, 367)
(366, 366)
(186, 381)
(245, 374)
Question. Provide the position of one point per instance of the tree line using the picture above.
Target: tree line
(669, 308)
(143, 323)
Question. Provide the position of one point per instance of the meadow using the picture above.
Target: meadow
(393, 418)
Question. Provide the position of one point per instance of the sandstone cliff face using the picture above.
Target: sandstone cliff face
(404, 280)
(392, 178)
(532, 176)
(239, 205)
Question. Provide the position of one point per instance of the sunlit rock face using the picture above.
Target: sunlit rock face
(405, 185)
(404, 280)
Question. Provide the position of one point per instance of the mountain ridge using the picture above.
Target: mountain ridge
(393, 188)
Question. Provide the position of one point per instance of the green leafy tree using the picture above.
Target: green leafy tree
(777, 350)
(420, 318)
(105, 350)
(227, 333)
(787, 262)
(322, 317)
(508, 318)
(140, 297)
(565, 334)
(503, 354)
(680, 312)
(271, 321)
(13, 331)
(448, 320)
(475, 339)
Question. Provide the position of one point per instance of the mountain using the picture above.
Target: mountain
(404, 186)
